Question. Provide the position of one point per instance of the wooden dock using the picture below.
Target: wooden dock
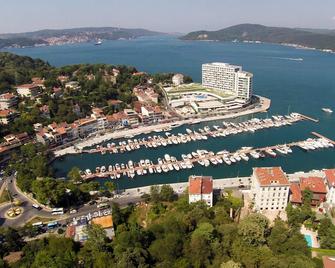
(309, 118)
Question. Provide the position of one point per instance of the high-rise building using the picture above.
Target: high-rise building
(228, 78)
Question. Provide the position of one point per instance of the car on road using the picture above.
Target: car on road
(92, 202)
(36, 206)
(103, 205)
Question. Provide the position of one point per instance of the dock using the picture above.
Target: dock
(323, 137)
(157, 141)
(209, 156)
(309, 118)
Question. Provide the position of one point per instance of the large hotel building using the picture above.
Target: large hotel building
(228, 78)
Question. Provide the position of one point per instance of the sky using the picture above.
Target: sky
(163, 15)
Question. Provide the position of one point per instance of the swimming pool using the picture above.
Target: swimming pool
(309, 240)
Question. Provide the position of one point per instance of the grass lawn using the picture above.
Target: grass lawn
(323, 252)
(4, 197)
(196, 87)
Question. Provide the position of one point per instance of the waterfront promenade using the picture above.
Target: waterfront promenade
(262, 107)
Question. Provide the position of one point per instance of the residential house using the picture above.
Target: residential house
(330, 184)
(45, 111)
(28, 90)
(270, 188)
(106, 222)
(200, 189)
(72, 85)
(7, 116)
(178, 79)
(295, 194)
(7, 101)
(317, 187)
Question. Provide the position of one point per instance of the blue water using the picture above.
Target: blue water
(301, 86)
(309, 241)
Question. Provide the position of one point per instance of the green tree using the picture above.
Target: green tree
(253, 229)
(230, 264)
(110, 186)
(74, 175)
(167, 193)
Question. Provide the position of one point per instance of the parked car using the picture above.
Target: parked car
(73, 211)
(36, 206)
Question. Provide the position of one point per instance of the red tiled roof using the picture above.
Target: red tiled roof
(328, 262)
(271, 176)
(296, 196)
(27, 86)
(200, 185)
(5, 113)
(330, 176)
(114, 102)
(314, 184)
(7, 96)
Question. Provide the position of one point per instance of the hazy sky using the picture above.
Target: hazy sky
(163, 15)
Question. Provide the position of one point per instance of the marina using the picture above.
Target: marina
(204, 158)
(224, 130)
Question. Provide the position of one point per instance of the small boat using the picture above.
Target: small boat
(98, 43)
(327, 110)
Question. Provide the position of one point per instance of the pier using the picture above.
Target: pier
(323, 137)
(212, 158)
(201, 134)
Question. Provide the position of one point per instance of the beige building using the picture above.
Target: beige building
(270, 188)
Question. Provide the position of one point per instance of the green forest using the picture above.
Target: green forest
(167, 231)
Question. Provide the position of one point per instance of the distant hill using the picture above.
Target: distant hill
(256, 32)
(76, 35)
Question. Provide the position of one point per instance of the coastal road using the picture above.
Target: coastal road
(29, 212)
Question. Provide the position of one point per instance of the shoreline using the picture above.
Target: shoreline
(264, 106)
(220, 183)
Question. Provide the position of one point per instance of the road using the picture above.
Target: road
(29, 212)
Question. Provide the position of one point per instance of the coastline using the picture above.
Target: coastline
(264, 106)
(220, 183)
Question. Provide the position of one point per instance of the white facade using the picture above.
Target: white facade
(207, 198)
(178, 79)
(271, 196)
(228, 78)
(330, 184)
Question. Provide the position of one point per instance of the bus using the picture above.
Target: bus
(52, 225)
(57, 211)
(38, 224)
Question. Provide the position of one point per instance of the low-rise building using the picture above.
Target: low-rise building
(72, 85)
(106, 222)
(45, 111)
(200, 189)
(7, 101)
(28, 90)
(57, 134)
(132, 116)
(7, 116)
(330, 183)
(317, 187)
(295, 194)
(11, 144)
(270, 188)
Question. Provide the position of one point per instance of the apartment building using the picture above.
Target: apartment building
(270, 188)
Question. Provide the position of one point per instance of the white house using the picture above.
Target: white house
(270, 188)
(178, 79)
(200, 189)
(330, 183)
